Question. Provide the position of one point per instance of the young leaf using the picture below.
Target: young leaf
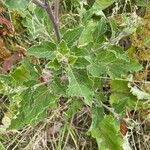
(54, 64)
(63, 48)
(80, 84)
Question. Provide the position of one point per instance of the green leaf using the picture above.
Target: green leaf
(17, 4)
(119, 52)
(106, 61)
(72, 35)
(5, 79)
(105, 133)
(87, 34)
(82, 50)
(2, 146)
(81, 63)
(33, 107)
(25, 72)
(36, 22)
(72, 59)
(97, 117)
(98, 35)
(44, 50)
(63, 48)
(80, 85)
(59, 85)
(54, 64)
(121, 97)
(21, 74)
(122, 68)
(74, 107)
(102, 4)
(113, 25)
(96, 70)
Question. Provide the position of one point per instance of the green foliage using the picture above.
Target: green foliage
(72, 35)
(1, 146)
(98, 35)
(33, 106)
(121, 97)
(17, 4)
(106, 61)
(78, 67)
(107, 134)
(102, 4)
(44, 50)
(80, 84)
(74, 107)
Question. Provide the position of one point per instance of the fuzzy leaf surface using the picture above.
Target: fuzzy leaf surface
(106, 61)
(80, 84)
(44, 50)
(33, 106)
(72, 35)
(105, 133)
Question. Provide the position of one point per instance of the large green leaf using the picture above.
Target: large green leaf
(33, 106)
(79, 84)
(44, 50)
(17, 4)
(21, 74)
(107, 134)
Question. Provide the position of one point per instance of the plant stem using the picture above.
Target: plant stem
(52, 18)
(45, 5)
(56, 10)
(39, 3)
